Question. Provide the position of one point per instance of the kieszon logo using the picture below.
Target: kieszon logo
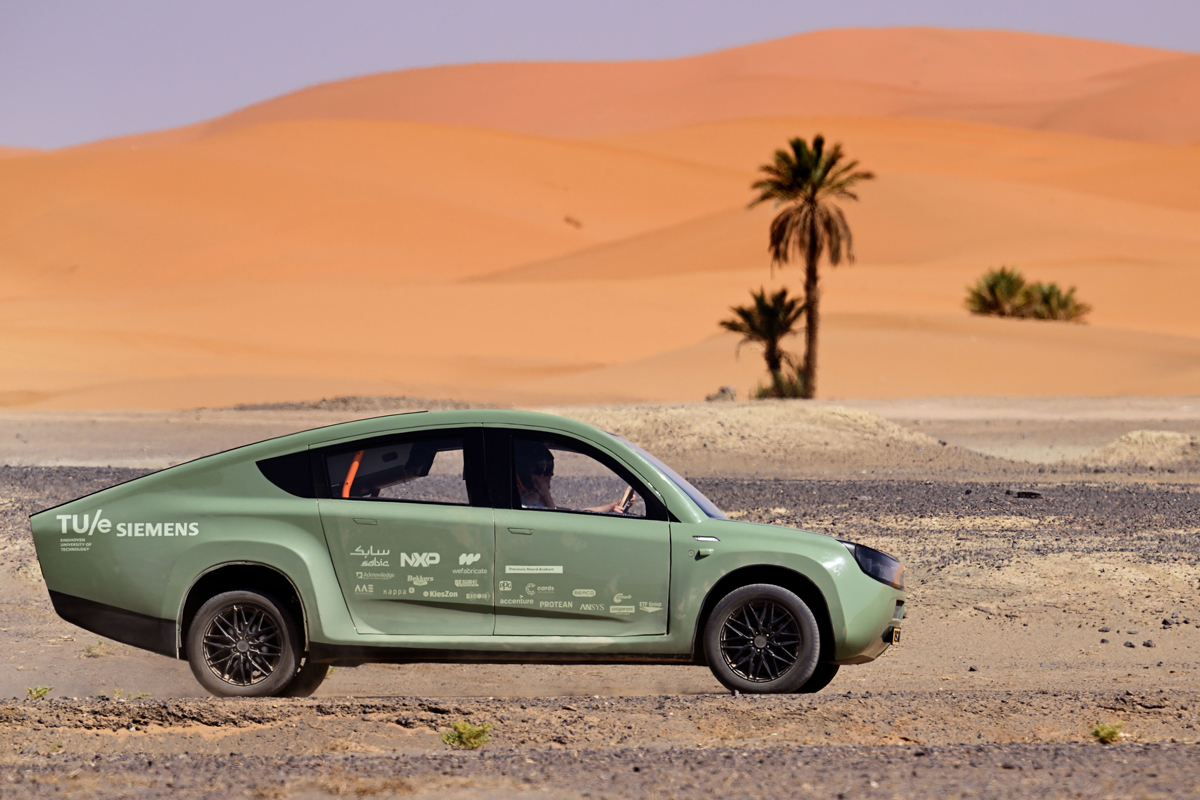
(420, 559)
(466, 559)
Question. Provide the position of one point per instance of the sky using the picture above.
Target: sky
(73, 71)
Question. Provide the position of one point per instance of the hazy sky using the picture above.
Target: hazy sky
(77, 70)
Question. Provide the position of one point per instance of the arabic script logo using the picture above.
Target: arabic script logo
(467, 559)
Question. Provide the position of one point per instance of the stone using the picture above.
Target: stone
(1148, 643)
(1130, 644)
(1105, 629)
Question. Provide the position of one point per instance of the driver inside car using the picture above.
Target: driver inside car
(534, 467)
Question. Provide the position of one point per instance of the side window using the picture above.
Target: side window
(554, 477)
(418, 470)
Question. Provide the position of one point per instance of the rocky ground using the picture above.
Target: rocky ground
(1041, 603)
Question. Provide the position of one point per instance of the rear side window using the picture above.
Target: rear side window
(414, 470)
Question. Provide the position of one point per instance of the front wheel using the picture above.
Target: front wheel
(243, 644)
(762, 639)
(307, 680)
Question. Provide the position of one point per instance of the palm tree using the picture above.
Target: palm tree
(1001, 293)
(767, 322)
(805, 180)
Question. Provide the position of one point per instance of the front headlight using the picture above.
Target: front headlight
(878, 564)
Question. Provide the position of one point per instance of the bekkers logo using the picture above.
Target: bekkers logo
(466, 559)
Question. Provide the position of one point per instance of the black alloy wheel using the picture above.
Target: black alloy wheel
(762, 639)
(243, 644)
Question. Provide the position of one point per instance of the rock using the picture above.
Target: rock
(1104, 641)
(972, 668)
(1131, 633)
(1028, 495)
(1130, 644)
(1105, 629)
(984, 609)
(1148, 643)
(726, 394)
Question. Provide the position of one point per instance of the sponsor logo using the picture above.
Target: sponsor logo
(621, 609)
(371, 556)
(650, 606)
(621, 598)
(584, 592)
(478, 595)
(88, 523)
(434, 593)
(506, 586)
(364, 588)
(545, 590)
(532, 570)
(419, 580)
(375, 562)
(591, 606)
(531, 588)
(374, 576)
(471, 582)
(75, 544)
(420, 559)
(516, 601)
(469, 571)
(556, 604)
(467, 559)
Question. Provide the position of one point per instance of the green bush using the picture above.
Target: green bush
(37, 692)
(1107, 733)
(1003, 292)
(466, 736)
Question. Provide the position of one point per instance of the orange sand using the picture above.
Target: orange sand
(572, 232)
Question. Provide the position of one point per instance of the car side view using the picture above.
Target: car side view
(450, 536)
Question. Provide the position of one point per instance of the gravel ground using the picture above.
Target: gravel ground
(1030, 618)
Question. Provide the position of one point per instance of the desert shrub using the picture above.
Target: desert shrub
(37, 692)
(782, 385)
(1003, 292)
(1107, 733)
(465, 736)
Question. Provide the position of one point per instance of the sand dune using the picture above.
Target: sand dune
(1014, 79)
(579, 242)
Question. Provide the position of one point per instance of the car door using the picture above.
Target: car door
(410, 532)
(568, 563)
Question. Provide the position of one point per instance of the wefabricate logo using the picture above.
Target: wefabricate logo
(467, 559)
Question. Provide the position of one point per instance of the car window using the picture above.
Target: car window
(420, 470)
(707, 506)
(552, 476)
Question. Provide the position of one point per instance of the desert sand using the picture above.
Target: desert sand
(572, 233)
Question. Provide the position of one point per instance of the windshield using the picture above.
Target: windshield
(698, 498)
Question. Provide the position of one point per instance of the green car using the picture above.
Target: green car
(450, 536)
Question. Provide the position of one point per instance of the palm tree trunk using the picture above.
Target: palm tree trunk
(812, 300)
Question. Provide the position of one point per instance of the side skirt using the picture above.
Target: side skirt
(127, 627)
(352, 656)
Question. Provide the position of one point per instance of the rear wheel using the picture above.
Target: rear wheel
(762, 639)
(243, 644)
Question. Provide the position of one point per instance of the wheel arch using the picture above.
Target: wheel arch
(234, 575)
(795, 582)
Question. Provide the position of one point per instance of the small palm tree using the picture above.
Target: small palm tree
(1003, 292)
(767, 322)
(1050, 302)
(1000, 292)
(805, 180)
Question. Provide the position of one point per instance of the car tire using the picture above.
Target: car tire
(243, 644)
(821, 677)
(762, 639)
(307, 680)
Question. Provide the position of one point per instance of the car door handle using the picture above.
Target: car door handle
(704, 552)
(522, 531)
(365, 521)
